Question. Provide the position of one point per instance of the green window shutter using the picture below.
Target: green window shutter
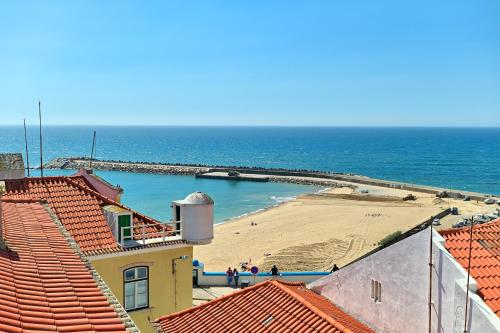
(124, 221)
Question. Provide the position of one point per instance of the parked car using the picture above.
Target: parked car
(489, 201)
(459, 224)
(481, 219)
(436, 221)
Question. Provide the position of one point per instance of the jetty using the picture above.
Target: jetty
(233, 176)
(306, 177)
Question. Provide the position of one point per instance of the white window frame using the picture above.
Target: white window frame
(136, 281)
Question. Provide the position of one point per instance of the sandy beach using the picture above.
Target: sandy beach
(314, 231)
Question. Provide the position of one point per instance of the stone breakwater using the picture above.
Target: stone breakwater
(140, 167)
(275, 175)
(308, 177)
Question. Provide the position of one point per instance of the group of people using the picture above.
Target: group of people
(232, 274)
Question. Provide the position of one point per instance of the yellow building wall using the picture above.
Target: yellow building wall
(161, 281)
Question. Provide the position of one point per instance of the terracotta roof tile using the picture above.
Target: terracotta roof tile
(78, 207)
(270, 306)
(41, 278)
(485, 258)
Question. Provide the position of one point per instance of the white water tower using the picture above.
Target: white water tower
(194, 217)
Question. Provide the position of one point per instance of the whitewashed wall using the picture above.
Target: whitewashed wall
(403, 271)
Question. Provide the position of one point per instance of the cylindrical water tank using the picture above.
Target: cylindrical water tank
(197, 218)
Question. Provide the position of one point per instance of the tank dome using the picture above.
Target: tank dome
(198, 198)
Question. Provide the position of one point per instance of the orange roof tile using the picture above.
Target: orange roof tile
(485, 258)
(45, 286)
(78, 207)
(270, 306)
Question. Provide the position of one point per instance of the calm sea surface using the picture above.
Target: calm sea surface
(461, 158)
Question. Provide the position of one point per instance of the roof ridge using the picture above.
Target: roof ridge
(101, 284)
(9, 200)
(104, 198)
(215, 300)
(311, 306)
(35, 178)
(88, 190)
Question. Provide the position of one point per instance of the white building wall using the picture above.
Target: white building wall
(403, 272)
(197, 223)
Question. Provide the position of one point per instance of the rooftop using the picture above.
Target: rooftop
(11, 161)
(485, 258)
(79, 207)
(197, 198)
(46, 286)
(270, 306)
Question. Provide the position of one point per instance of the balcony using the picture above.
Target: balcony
(143, 235)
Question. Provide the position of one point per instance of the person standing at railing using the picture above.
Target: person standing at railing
(236, 276)
(275, 271)
(229, 276)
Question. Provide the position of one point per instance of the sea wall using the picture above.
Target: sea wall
(309, 177)
(274, 175)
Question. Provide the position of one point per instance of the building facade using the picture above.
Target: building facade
(147, 265)
(390, 289)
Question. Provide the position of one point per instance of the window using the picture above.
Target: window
(376, 291)
(136, 289)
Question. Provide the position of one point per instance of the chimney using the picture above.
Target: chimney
(11, 166)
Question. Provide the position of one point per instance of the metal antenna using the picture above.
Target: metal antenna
(430, 280)
(26, 144)
(468, 276)
(41, 148)
(92, 151)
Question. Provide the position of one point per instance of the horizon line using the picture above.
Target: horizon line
(259, 126)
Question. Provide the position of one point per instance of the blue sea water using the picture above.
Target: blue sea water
(153, 194)
(460, 158)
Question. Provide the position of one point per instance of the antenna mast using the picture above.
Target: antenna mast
(41, 148)
(92, 151)
(430, 279)
(468, 276)
(26, 144)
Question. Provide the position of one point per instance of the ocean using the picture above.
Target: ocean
(459, 158)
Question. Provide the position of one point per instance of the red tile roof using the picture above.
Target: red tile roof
(45, 286)
(485, 258)
(78, 207)
(270, 306)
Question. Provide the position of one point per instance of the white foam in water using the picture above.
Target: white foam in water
(281, 199)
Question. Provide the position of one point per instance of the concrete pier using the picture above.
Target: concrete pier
(226, 176)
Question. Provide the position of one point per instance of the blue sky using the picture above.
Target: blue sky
(338, 63)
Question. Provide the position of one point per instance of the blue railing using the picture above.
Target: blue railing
(268, 274)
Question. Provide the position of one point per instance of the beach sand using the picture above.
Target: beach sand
(314, 231)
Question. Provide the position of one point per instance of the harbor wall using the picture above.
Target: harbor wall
(276, 175)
